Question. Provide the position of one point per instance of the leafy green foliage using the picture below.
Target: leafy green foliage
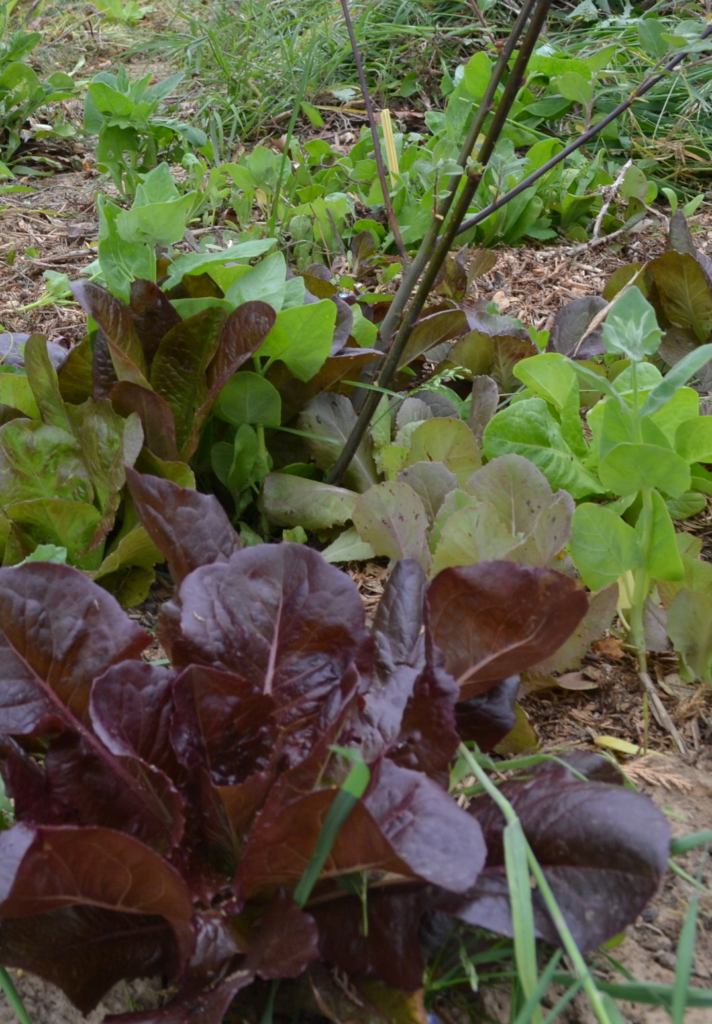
(133, 136)
(149, 809)
(22, 94)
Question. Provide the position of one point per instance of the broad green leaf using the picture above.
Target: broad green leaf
(295, 501)
(689, 626)
(41, 461)
(134, 549)
(448, 441)
(44, 382)
(693, 440)
(15, 391)
(628, 468)
(473, 534)
(380, 425)
(596, 382)
(392, 519)
(662, 559)
(199, 262)
(249, 398)
(432, 482)
(391, 459)
(528, 428)
(68, 524)
(109, 443)
(478, 72)
(611, 425)
(684, 405)
(551, 376)
(121, 262)
(302, 337)
(602, 546)
(515, 487)
(675, 379)
(455, 501)
(158, 223)
(328, 420)
(575, 87)
(236, 465)
(348, 547)
(631, 327)
(178, 368)
(687, 505)
(267, 282)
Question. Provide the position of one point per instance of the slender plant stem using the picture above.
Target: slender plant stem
(443, 241)
(644, 87)
(397, 237)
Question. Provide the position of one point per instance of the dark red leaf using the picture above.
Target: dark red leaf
(152, 315)
(178, 371)
(189, 528)
(159, 430)
(243, 333)
(391, 950)
(425, 827)
(86, 950)
(117, 337)
(286, 942)
(87, 785)
(131, 711)
(399, 618)
(603, 848)
(58, 632)
(570, 325)
(284, 620)
(494, 619)
(47, 869)
(223, 723)
(488, 718)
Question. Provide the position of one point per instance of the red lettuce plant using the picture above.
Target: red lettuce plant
(164, 816)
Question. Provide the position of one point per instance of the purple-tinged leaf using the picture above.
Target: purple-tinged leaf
(432, 482)
(343, 325)
(41, 461)
(601, 609)
(432, 330)
(46, 869)
(296, 394)
(285, 835)
(178, 371)
(425, 827)
(153, 316)
(391, 518)
(286, 942)
(570, 324)
(118, 337)
(488, 718)
(85, 951)
(131, 711)
(190, 529)
(684, 291)
(89, 786)
(680, 240)
(495, 619)
(399, 618)
(485, 399)
(155, 414)
(59, 632)
(329, 418)
(428, 737)
(241, 335)
(603, 849)
(391, 950)
(224, 723)
(282, 619)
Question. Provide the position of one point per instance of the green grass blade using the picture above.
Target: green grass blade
(532, 1004)
(686, 953)
(344, 802)
(683, 844)
(13, 997)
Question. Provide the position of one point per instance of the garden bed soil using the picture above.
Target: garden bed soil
(57, 220)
